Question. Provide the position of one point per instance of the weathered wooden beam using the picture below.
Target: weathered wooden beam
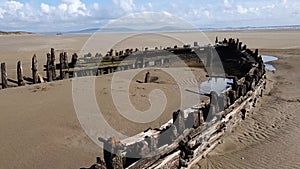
(34, 69)
(178, 121)
(73, 64)
(66, 65)
(20, 74)
(48, 68)
(53, 66)
(4, 76)
(61, 61)
(63, 65)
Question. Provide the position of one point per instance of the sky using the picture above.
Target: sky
(67, 15)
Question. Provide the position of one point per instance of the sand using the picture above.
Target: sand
(40, 129)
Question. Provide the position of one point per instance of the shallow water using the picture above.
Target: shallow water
(270, 67)
(215, 84)
(221, 84)
(266, 59)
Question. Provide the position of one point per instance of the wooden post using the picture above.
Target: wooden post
(111, 152)
(256, 53)
(178, 121)
(48, 68)
(4, 76)
(53, 67)
(74, 60)
(73, 64)
(195, 44)
(61, 62)
(66, 65)
(214, 99)
(20, 74)
(240, 45)
(34, 69)
(147, 77)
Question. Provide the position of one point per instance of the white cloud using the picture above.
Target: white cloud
(13, 6)
(46, 8)
(76, 7)
(148, 21)
(284, 2)
(241, 9)
(96, 6)
(1, 13)
(207, 13)
(63, 7)
(250, 10)
(227, 4)
(271, 6)
(125, 5)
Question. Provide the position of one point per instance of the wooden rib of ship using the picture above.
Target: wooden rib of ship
(198, 129)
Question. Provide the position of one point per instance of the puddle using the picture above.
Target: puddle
(218, 85)
(270, 67)
(266, 59)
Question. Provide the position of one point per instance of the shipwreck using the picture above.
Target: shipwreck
(192, 133)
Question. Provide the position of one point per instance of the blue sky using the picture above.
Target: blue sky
(65, 15)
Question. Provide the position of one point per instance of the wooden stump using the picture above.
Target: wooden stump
(147, 77)
(240, 45)
(4, 76)
(179, 121)
(34, 69)
(112, 157)
(73, 64)
(53, 67)
(20, 74)
(64, 66)
(49, 68)
(61, 62)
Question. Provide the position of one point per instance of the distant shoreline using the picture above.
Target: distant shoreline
(174, 29)
(16, 33)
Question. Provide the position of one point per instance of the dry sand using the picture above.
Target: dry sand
(40, 129)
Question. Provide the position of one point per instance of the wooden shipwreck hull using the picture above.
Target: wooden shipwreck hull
(192, 133)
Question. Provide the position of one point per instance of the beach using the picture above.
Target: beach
(40, 129)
